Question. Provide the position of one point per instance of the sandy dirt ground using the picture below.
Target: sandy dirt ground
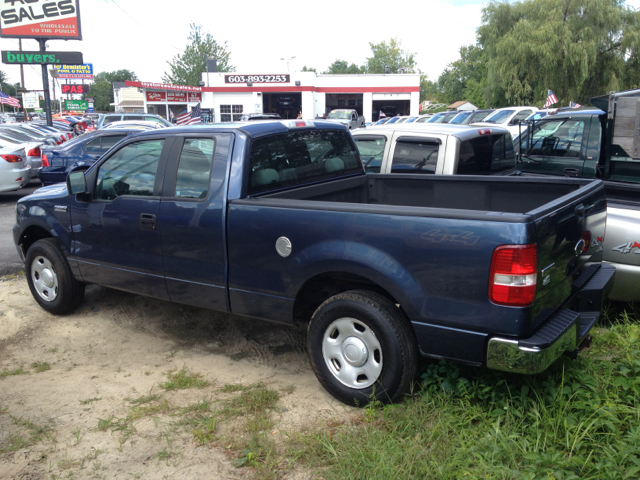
(117, 347)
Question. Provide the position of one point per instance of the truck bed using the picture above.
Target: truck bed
(498, 197)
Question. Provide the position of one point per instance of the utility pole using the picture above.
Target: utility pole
(24, 108)
(45, 83)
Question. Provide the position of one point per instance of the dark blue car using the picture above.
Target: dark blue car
(79, 153)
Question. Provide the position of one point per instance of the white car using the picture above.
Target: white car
(14, 171)
(508, 118)
(30, 152)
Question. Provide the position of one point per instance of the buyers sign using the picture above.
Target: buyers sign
(59, 19)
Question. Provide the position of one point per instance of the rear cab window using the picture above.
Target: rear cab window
(301, 157)
(415, 155)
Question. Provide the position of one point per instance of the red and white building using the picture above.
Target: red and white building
(229, 95)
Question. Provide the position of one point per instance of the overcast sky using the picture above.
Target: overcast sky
(142, 35)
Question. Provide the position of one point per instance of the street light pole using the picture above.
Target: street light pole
(288, 60)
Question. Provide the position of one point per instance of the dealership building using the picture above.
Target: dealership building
(227, 96)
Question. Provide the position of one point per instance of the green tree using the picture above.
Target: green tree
(343, 67)
(465, 78)
(10, 89)
(577, 48)
(102, 87)
(186, 68)
(393, 56)
(428, 89)
(308, 69)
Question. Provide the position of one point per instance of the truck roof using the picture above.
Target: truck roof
(575, 112)
(253, 129)
(460, 131)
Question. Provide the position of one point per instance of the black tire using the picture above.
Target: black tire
(398, 353)
(45, 254)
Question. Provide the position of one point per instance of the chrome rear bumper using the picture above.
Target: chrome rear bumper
(562, 332)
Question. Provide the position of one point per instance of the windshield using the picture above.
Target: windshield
(340, 114)
(460, 118)
(393, 120)
(499, 117)
(371, 151)
(437, 118)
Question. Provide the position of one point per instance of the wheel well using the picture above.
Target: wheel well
(31, 235)
(321, 287)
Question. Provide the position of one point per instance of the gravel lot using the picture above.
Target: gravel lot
(60, 376)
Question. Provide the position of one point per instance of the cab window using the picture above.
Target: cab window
(300, 157)
(414, 157)
(194, 168)
(130, 171)
(109, 141)
(371, 150)
(485, 155)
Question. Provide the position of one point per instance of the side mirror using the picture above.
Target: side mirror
(76, 183)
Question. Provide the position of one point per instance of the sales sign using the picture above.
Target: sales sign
(75, 71)
(156, 96)
(71, 89)
(177, 97)
(55, 19)
(194, 97)
(16, 57)
(257, 78)
(76, 105)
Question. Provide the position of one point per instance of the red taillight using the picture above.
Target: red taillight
(514, 275)
(69, 136)
(301, 124)
(45, 161)
(485, 131)
(12, 158)
(34, 152)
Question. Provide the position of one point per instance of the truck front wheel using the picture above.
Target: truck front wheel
(362, 348)
(50, 278)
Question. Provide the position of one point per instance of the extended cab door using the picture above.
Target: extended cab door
(191, 220)
(115, 234)
(557, 147)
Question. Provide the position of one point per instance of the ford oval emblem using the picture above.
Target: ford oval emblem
(579, 248)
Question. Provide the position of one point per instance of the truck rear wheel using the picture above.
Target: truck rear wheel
(50, 279)
(362, 348)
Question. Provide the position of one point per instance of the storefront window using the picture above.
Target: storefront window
(230, 113)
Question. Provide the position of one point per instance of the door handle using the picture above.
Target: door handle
(147, 221)
(571, 172)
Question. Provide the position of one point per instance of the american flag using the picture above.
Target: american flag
(551, 99)
(7, 100)
(574, 105)
(190, 118)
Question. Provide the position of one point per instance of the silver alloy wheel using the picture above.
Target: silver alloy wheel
(352, 353)
(44, 278)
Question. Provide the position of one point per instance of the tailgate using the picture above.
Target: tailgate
(570, 232)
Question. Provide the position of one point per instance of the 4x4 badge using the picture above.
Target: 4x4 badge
(627, 247)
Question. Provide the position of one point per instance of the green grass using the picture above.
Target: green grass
(6, 373)
(40, 367)
(183, 378)
(25, 434)
(578, 420)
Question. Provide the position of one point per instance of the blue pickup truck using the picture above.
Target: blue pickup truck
(279, 221)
